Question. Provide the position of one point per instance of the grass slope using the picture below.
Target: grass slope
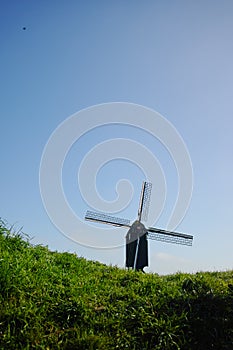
(53, 300)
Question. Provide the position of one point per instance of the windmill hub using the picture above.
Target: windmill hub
(136, 231)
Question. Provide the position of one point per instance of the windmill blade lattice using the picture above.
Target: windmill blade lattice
(144, 201)
(106, 219)
(169, 237)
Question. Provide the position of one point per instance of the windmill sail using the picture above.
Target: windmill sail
(106, 219)
(169, 236)
(144, 201)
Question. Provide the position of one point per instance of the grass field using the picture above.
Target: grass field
(52, 300)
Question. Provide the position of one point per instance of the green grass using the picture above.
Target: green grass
(51, 300)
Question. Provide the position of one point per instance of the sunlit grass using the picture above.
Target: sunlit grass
(52, 300)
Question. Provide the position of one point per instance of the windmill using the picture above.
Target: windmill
(137, 235)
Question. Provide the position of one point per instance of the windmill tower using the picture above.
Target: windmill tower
(137, 235)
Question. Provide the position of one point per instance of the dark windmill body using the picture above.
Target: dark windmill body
(137, 235)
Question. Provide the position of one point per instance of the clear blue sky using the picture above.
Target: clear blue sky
(172, 56)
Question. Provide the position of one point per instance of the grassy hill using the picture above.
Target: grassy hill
(51, 300)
